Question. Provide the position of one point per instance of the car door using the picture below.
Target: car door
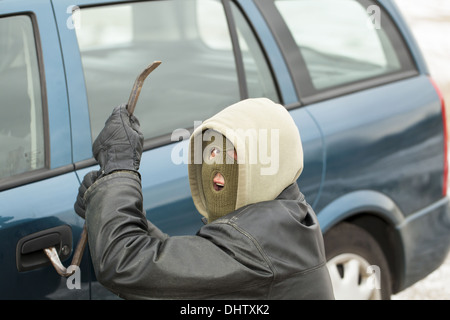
(212, 57)
(356, 75)
(37, 182)
(311, 179)
(360, 75)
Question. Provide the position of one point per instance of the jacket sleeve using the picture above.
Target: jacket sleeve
(135, 260)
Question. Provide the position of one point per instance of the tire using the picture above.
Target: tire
(357, 265)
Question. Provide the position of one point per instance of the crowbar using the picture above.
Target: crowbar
(51, 252)
(134, 95)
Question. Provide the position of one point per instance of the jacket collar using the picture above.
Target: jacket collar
(292, 192)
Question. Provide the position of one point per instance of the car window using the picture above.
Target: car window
(258, 76)
(341, 41)
(197, 77)
(21, 122)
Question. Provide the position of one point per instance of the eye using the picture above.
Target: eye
(214, 152)
(232, 154)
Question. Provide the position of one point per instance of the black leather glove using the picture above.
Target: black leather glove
(80, 205)
(119, 145)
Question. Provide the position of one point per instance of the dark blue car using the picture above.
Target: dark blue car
(371, 119)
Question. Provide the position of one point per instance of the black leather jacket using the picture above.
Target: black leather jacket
(268, 250)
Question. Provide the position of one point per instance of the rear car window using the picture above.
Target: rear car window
(21, 123)
(344, 41)
(198, 76)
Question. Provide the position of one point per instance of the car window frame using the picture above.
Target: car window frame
(45, 172)
(306, 91)
(166, 139)
(239, 7)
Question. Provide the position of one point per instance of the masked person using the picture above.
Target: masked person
(261, 239)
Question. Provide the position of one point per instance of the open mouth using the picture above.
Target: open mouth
(217, 186)
(218, 182)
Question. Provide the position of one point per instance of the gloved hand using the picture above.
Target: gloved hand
(119, 145)
(80, 205)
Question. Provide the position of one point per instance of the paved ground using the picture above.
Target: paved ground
(434, 287)
(430, 24)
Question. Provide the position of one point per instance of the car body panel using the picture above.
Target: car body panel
(409, 138)
(50, 206)
(372, 135)
(76, 89)
(425, 235)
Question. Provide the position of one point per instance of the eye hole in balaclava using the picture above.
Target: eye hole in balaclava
(219, 177)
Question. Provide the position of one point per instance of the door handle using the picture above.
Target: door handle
(30, 253)
(52, 254)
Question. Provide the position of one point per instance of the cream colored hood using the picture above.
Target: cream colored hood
(268, 146)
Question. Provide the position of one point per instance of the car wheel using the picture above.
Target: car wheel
(356, 263)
